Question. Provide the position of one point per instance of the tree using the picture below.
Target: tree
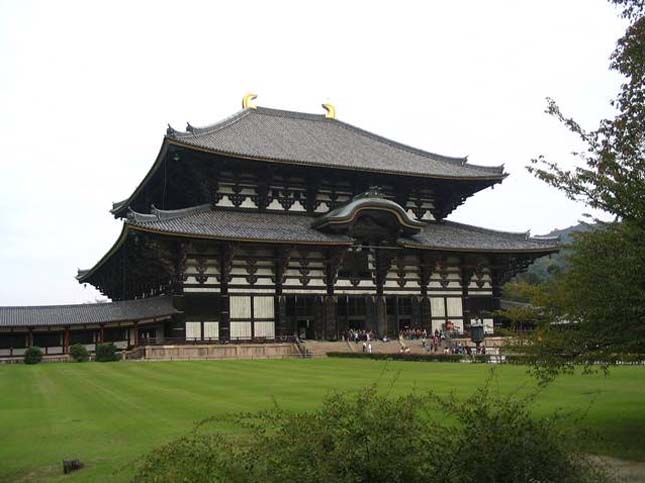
(594, 311)
(612, 174)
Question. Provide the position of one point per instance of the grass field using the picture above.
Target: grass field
(108, 415)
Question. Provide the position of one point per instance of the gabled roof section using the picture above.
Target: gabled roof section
(372, 201)
(315, 140)
(79, 314)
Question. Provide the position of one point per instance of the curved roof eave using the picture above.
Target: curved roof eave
(82, 277)
(120, 206)
(497, 177)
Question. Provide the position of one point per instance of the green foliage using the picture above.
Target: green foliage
(33, 355)
(596, 307)
(594, 313)
(79, 353)
(106, 352)
(370, 437)
(429, 357)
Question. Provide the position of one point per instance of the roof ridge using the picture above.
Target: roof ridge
(456, 160)
(522, 235)
(158, 214)
(192, 131)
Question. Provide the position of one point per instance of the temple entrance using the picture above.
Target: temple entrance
(352, 312)
(400, 313)
(300, 312)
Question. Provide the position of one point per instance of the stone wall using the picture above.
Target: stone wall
(219, 351)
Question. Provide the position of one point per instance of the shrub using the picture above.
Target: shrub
(370, 437)
(33, 355)
(79, 353)
(106, 352)
(402, 356)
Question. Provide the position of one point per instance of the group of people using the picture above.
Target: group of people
(356, 336)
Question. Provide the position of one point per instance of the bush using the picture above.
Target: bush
(106, 352)
(370, 437)
(402, 356)
(79, 353)
(33, 355)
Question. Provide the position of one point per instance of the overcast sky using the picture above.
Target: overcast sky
(86, 90)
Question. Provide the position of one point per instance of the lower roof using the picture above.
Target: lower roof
(80, 314)
(207, 222)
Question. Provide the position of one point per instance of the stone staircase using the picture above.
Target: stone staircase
(318, 349)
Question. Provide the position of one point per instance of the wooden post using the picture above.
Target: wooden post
(226, 264)
(30, 337)
(329, 314)
(466, 275)
(101, 333)
(66, 341)
(136, 334)
(280, 270)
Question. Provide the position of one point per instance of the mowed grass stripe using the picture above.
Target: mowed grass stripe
(110, 414)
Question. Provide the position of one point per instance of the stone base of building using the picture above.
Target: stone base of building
(218, 351)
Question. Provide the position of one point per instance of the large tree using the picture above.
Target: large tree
(595, 311)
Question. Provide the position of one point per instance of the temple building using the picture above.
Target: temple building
(272, 224)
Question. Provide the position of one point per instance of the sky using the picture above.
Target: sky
(87, 88)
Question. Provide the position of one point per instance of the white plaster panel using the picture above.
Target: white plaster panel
(241, 330)
(455, 307)
(240, 307)
(193, 330)
(265, 329)
(211, 330)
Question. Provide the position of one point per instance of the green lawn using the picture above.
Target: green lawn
(108, 415)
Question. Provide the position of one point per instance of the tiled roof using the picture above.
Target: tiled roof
(204, 221)
(63, 315)
(314, 140)
(449, 235)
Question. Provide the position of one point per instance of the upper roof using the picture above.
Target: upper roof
(315, 140)
(80, 314)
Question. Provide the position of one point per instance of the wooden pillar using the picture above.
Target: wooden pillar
(101, 333)
(136, 334)
(319, 317)
(380, 313)
(282, 328)
(466, 275)
(382, 262)
(226, 264)
(426, 266)
(333, 262)
(496, 284)
(66, 341)
(329, 314)
(280, 304)
(426, 313)
(30, 337)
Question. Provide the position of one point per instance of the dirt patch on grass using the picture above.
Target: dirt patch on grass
(623, 470)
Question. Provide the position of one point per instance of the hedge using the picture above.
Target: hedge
(411, 357)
